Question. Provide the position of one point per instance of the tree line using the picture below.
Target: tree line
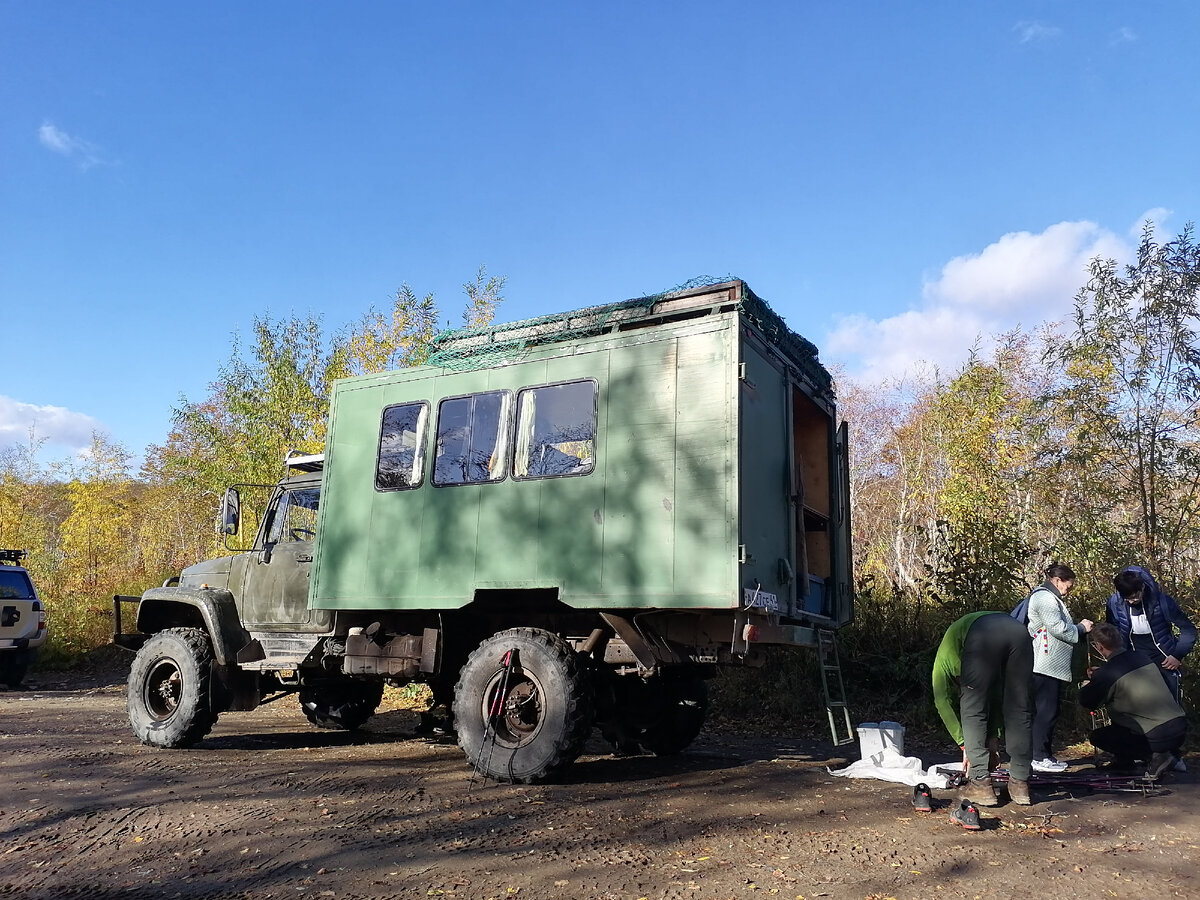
(1075, 441)
(93, 528)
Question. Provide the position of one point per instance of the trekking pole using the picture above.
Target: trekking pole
(495, 711)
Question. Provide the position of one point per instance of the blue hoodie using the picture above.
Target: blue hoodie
(1161, 611)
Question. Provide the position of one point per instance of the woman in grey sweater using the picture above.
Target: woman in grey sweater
(1054, 636)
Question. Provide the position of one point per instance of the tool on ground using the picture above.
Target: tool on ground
(1091, 780)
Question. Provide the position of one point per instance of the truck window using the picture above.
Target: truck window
(556, 430)
(472, 436)
(296, 516)
(401, 462)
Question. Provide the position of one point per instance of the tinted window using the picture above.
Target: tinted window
(15, 585)
(401, 461)
(556, 430)
(471, 433)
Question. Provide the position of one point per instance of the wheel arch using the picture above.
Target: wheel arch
(214, 611)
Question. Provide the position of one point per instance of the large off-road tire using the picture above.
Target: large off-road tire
(685, 706)
(343, 705)
(522, 706)
(168, 693)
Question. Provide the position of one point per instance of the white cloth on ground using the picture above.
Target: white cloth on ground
(888, 765)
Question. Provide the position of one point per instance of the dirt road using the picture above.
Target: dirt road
(268, 807)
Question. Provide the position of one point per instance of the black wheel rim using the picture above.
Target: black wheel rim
(512, 707)
(164, 687)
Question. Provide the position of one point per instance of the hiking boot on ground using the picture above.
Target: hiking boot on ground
(922, 801)
(967, 815)
(1160, 762)
(980, 791)
(1018, 791)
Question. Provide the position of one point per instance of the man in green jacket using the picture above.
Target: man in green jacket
(985, 661)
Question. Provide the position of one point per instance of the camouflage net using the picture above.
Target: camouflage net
(465, 349)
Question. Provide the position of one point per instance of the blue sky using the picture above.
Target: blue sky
(894, 179)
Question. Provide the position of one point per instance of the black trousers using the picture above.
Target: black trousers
(997, 653)
(1128, 745)
(1046, 692)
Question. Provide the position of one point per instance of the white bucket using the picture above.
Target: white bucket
(875, 737)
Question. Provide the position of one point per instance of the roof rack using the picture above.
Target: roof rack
(478, 347)
(12, 557)
(304, 462)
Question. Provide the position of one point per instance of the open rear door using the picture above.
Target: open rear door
(843, 605)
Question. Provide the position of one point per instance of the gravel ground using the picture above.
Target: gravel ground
(268, 807)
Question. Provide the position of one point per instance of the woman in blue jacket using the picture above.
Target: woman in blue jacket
(1145, 614)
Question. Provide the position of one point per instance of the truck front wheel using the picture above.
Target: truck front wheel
(346, 706)
(522, 706)
(168, 692)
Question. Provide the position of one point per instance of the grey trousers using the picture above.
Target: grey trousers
(997, 654)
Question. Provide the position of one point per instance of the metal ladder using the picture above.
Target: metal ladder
(834, 689)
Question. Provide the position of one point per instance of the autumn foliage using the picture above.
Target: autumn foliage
(94, 528)
(1075, 441)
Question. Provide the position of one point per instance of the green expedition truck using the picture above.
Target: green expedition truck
(560, 523)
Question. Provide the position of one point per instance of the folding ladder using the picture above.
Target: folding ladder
(834, 689)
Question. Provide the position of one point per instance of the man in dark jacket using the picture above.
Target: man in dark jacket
(1144, 614)
(1147, 723)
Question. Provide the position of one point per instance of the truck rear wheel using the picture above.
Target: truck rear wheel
(522, 706)
(345, 706)
(168, 691)
(684, 709)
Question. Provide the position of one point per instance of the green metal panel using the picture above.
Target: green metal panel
(668, 527)
(650, 526)
(765, 511)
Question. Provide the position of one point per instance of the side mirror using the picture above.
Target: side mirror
(231, 511)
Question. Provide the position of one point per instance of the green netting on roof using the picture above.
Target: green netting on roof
(466, 349)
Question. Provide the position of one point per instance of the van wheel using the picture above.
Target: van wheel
(344, 706)
(684, 710)
(168, 688)
(13, 666)
(523, 706)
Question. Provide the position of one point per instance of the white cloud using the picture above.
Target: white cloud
(58, 141)
(1031, 31)
(1158, 219)
(55, 424)
(1022, 279)
(1023, 273)
(1124, 35)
